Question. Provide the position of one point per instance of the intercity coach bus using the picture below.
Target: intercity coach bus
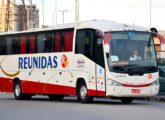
(88, 59)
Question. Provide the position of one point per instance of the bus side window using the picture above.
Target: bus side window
(84, 43)
(48, 46)
(57, 41)
(23, 40)
(68, 40)
(40, 42)
(9, 45)
(15, 45)
(99, 56)
(62, 42)
(80, 41)
(30, 44)
(3, 46)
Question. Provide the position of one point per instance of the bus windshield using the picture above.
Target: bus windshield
(132, 52)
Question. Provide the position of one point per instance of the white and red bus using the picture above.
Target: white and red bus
(88, 59)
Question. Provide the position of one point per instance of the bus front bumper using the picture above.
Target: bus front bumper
(121, 91)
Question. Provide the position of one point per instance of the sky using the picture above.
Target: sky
(135, 12)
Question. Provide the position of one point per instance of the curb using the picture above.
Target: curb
(157, 99)
(153, 99)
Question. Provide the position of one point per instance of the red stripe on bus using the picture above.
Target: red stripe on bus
(6, 85)
(96, 93)
(45, 88)
(144, 85)
(92, 92)
(101, 93)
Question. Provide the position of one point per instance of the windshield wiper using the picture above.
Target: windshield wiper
(123, 67)
(130, 66)
(134, 69)
(118, 68)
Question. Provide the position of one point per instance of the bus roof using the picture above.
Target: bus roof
(102, 25)
(107, 26)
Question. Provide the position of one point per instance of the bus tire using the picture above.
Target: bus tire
(83, 93)
(126, 100)
(18, 91)
(56, 97)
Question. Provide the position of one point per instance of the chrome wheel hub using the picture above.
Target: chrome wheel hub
(17, 90)
(83, 92)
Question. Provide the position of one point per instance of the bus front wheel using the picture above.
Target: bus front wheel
(83, 93)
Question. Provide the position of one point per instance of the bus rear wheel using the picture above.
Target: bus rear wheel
(18, 92)
(126, 100)
(83, 93)
(56, 97)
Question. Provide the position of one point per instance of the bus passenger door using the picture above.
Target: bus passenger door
(100, 71)
(100, 78)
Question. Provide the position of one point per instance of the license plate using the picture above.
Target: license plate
(135, 90)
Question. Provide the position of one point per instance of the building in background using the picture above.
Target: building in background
(25, 24)
(7, 16)
(17, 17)
(35, 16)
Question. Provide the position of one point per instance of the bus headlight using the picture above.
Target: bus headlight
(113, 83)
(156, 82)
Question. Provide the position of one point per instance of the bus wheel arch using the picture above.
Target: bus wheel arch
(79, 81)
(16, 80)
(82, 91)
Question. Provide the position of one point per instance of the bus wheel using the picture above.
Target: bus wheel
(83, 93)
(126, 100)
(18, 91)
(56, 97)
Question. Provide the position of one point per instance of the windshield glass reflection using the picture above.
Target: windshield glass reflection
(132, 52)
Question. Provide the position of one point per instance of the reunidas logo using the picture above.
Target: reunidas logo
(64, 61)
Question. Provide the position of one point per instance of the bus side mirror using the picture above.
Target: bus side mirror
(154, 30)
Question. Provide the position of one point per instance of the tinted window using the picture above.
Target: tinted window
(23, 42)
(3, 45)
(40, 42)
(85, 42)
(31, 44)
(68, 36)
(48, 47)
(63, 41)
(99, 56)
(57, 41)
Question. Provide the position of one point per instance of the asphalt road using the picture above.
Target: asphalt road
(41, 108)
